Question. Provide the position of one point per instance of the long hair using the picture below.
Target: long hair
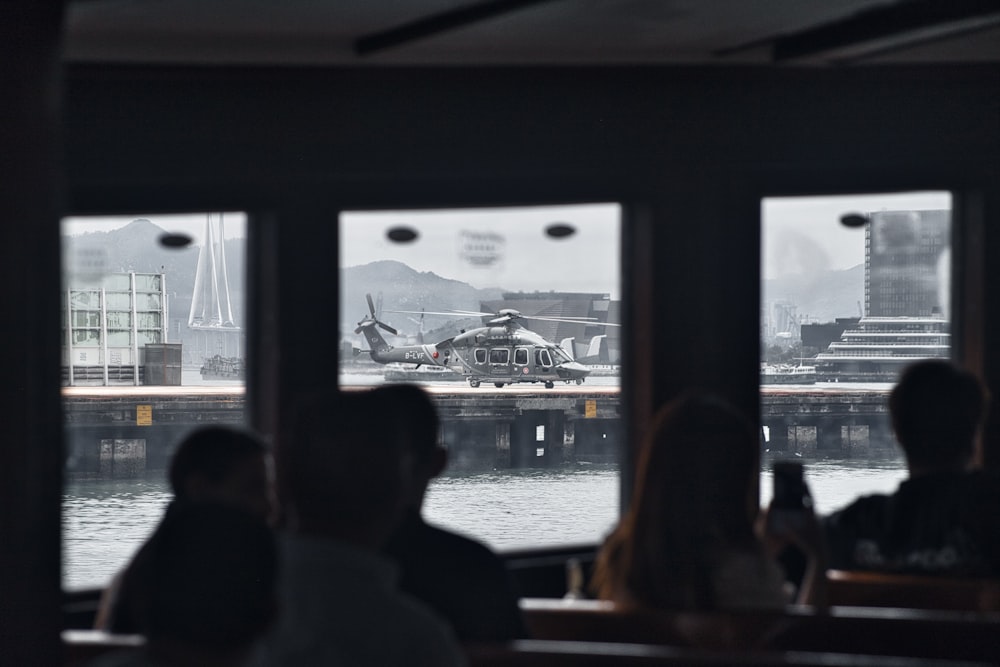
(691, 506)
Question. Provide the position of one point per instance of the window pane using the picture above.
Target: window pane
(470, 287)
(118, 301)
(844, 309)
(119, 441)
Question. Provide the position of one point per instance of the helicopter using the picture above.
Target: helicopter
(502, 352)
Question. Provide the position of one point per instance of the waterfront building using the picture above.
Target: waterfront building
(110, 327)
(876, 349)
(906, 300)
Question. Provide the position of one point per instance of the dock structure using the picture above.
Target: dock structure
(827, 421)
(116, 432)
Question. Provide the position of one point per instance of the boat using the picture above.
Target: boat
(787, 374)
(223, 368)
(424, 373)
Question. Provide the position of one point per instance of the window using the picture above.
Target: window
(138, 313)
(478, 283)
(844, 309)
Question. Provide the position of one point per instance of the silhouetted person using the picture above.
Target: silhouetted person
(207, 591)
(214, 464)
(345, 479)
(945, 518)
(460, 579)
(688, 538)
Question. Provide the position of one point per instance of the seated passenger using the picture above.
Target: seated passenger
(459, 578)
(207, 589)
(945, 518)
(687, 541)
(344, 478)
(214, 464)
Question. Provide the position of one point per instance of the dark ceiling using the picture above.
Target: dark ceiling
(480, 32)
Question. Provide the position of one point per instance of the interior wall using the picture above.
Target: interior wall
(694, 148)
(31, 447)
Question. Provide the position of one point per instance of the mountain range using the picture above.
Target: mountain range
(395, 286)
(819, 297)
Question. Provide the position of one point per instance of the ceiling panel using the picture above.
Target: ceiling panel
(530, 31)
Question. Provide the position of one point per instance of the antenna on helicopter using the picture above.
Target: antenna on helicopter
(420, 325)
(371, 319)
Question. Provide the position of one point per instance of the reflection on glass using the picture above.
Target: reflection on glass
(844, 309)
(130, 338)
(515, 332)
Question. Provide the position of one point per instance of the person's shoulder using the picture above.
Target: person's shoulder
(425, 632)
(457, 540)
(859, 509)
(748, 579)
(435, 539)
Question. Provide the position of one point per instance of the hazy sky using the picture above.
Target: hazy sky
(804, 234)
(800, 235)
(193, 224)
(510, 245)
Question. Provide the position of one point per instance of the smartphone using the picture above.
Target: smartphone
(790, 490)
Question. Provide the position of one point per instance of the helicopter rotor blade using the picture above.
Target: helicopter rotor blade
(371, 304)
(438, 312)
(578, 320)
(589, 321)
(387, 328)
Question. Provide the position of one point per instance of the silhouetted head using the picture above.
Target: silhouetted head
(210, 580)
(936, 411)
(345, 471)
(415, 417)
(693, 502)
(223, 464)
(698, 465)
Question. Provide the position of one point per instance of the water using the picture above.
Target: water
(105, 521)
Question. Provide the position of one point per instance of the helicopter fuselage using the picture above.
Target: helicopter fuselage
(501, 355)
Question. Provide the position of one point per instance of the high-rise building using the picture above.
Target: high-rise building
(907, 262)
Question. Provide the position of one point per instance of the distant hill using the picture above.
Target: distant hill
(400, 287)
(822, 296)
(136, 247)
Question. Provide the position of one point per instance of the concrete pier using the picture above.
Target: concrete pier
(113, 431)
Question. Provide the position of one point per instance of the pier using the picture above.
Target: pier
(125, 431)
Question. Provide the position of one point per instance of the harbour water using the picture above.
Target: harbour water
(105, 521)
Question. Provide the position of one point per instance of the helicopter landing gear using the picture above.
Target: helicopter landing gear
(549, 385)
(579, 381)
(474, 383)
(498, 385)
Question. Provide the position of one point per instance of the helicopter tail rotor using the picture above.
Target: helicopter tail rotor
(371, 319)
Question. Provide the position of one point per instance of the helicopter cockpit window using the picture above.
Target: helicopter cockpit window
(499, 355)
(482, 288)
(559, 355)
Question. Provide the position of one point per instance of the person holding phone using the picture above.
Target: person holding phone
(944, 519)
(790, 521)
(689, 539)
